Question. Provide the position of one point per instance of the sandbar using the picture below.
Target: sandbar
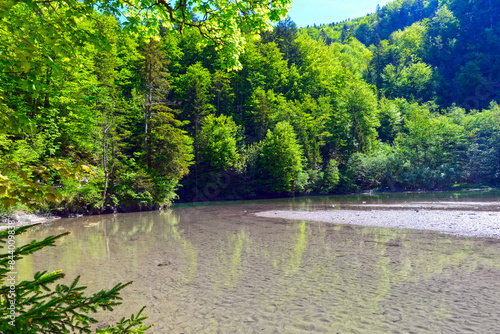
(467, 223)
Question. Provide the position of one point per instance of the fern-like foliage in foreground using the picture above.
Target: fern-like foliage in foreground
(40, 308)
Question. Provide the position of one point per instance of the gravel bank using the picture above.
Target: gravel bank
(23, 218)
(469, 223)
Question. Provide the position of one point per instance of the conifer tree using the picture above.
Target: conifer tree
(35, 306)
(281, 160)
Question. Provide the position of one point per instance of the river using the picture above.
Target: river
(219, 268)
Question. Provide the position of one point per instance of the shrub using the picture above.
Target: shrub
(330, 177)
(366, 171)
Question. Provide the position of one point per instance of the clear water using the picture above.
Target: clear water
(219, 269)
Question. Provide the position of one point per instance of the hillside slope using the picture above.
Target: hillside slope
(458, 41)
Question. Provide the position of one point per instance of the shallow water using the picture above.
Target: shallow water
(220, 269)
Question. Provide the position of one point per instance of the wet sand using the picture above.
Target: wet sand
(466, 223)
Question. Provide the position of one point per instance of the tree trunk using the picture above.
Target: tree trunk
(104, 160)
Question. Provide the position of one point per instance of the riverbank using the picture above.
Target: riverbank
(458, 222)
(23, 218)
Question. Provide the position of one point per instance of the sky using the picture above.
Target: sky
(309, 12)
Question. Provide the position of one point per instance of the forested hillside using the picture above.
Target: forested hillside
(445, 51)
(97, 118)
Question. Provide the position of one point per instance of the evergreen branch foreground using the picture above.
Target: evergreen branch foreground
(38, 308)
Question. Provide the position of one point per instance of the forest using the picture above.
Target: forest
(97, 116)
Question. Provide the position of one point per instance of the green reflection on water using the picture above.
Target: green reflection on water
(189, 253)
(291, 260)
(288, 277)
(228, 260)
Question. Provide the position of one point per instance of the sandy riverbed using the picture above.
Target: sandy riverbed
(469, 223)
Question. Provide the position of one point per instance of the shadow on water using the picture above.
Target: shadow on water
(220, 269)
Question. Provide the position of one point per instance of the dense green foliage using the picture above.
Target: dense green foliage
(281, 160)
(30, 307)
(106, 116)
(445, 51)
